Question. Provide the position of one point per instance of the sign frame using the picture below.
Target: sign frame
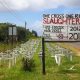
(61, 27)
(43, 50)
(12, 31)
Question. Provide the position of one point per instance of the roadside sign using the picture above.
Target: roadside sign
(12, 31)
(61, 27)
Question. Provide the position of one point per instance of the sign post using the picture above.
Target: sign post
(60, 28)
(43, 56)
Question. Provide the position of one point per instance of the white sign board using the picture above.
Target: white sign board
(12, 31)
(61, 27)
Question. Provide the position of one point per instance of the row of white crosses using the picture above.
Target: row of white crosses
(40, 51)
(10, 56)
(57, 52)
(26, 50)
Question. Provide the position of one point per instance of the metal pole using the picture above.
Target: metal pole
(25, 24)
(43, 57)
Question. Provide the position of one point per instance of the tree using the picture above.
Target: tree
(34, 33)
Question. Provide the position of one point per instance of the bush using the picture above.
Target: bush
(28, 64)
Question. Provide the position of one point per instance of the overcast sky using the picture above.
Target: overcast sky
(19, 11)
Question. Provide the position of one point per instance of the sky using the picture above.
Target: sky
(31, 11)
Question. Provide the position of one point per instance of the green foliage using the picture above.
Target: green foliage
(3, 31)
(34, 33)
(22, 33)
(28, 64)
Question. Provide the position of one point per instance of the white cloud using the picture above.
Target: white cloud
(71, 3)
(52, 3)
(13, 4)
(19, 4)
(36, 4)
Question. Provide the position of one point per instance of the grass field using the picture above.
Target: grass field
(53, 71)
(9, 46)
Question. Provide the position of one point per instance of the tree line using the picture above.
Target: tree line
(22, 33)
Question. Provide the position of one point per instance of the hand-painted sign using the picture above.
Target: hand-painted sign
(61, 27)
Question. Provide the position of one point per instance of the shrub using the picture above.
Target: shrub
(28, 64)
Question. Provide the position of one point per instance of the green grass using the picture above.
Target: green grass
(53, 71)
(5, 46)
